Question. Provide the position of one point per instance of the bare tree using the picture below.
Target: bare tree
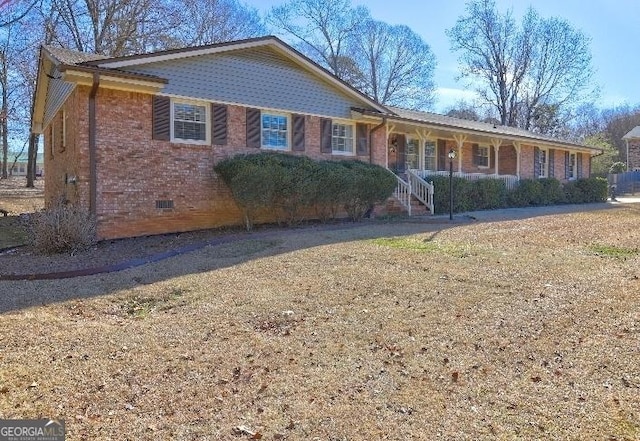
(522, 70)
(321, 29)
(463, 110)
(389, 63)
(397, 65)
(215, 21)
(15, 10)
(110, 27)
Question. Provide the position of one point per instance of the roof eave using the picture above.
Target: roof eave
(394, 117)
(38, 103)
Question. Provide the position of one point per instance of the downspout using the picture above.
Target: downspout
(375, 129)
(92, 144)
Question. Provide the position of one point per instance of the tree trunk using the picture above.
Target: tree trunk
(31, 161)
(4, 123)
(4, 111)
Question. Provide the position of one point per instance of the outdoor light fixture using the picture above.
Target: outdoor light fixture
(452, 156)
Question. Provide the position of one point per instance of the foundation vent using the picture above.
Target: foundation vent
(164, 204)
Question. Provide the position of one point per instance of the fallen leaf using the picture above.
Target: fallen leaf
(536, 379)
(454, 376)
(244, 430)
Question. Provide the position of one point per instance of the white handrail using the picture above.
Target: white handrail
(421, 189)
(403, 193)
(510, 181)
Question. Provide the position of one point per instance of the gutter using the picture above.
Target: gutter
(93, 179)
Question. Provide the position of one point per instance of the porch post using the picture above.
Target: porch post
(517, 146)
(460, 139)
(495, 142)
(389, 128)
(422, 135)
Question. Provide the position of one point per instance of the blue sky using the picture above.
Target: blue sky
(612, 25)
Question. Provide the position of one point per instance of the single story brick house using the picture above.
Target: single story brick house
(134, 139)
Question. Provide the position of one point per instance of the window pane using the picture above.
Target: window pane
(274, 131)
(429, 155)
(412, 154)
(342, 138)
(189, 122)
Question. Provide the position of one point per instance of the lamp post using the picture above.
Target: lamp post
(452, 156)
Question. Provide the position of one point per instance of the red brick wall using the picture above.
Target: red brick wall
(133, 171)
(63, 161)
(634, 154)
(508, 160)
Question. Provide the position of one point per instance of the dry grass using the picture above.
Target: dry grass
(16, 199)
(525, 329)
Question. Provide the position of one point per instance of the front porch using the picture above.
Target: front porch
(415, 157)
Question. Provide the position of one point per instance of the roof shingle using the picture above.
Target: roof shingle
(70, 57)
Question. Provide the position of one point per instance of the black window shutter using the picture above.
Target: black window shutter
(362, 139)
(579, 164)
(475, 153)
(161, 118)
(218, 124)
(253, 128)
(566, 165)
(442, 154)
(325, 136)
(492, 156)
(536, 162)
(551, 163)
(298, 133)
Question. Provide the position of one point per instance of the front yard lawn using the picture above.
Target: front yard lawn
(522, 329)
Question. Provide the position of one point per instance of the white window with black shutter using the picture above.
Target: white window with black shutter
(190, 122)
(275, 131)
(342, 139)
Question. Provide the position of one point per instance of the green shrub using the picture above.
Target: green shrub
(586, 190)
(593, 189)
(328, 193)
(551, 192)
(461, 193)
(290, 187)
(487, 194)
(527, 193)
(62, 228)
(369, 185)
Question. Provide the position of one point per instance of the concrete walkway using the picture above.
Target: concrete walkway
(459, 218)
(527, 212)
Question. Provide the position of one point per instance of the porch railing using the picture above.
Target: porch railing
(403, 193)
(510, 181)
(421, 189)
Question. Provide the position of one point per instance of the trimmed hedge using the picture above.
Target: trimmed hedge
(289, 188)
(486, 194)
